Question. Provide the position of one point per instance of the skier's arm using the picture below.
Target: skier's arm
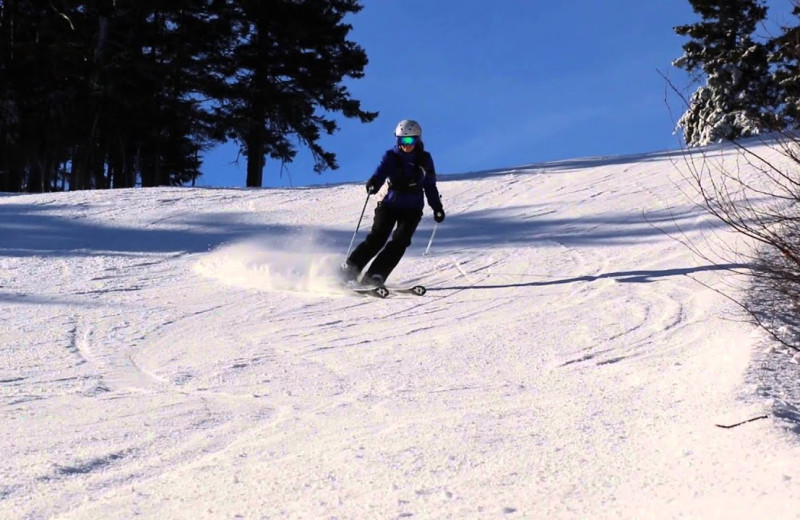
(381, 172)
(429, 185)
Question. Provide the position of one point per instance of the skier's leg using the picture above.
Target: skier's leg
(382, 227)
(389, 257)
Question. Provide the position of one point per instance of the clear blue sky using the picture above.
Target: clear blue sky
(497, 84)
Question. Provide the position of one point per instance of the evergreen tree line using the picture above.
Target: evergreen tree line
(752, 83)
(120, 93)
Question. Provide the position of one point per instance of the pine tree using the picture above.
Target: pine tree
(786, 57)
(290, 58)
(111, 93)
(145, 119)
(739, 95)
(38, 75)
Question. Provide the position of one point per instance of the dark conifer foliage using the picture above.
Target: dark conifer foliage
(785, 56)
(290, 58)
(120, 93)
(739, 96)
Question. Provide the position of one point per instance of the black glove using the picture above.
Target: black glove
(438, 215)
(372, 188)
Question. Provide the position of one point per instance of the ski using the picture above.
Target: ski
(382, 291)
(418, 290)
(378, 291)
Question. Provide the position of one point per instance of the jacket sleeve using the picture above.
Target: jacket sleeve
(383, 170)
(429, 185)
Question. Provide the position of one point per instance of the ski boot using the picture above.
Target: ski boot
(348, 273)
(375, 280)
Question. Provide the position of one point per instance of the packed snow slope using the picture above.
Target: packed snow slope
(183, 353)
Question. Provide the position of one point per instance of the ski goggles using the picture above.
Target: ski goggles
(409, 140)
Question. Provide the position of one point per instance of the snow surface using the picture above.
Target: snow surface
(182, 353)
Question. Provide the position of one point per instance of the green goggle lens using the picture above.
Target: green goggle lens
(407, 141)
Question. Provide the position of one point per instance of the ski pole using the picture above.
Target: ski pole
(358, 226)
(433, 233)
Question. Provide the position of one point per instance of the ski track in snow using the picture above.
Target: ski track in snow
(182, 353)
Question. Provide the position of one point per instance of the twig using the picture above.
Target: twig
(729, 426)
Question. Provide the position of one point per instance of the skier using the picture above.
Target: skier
(409, 170)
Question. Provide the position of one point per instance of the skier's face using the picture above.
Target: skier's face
(407, 144)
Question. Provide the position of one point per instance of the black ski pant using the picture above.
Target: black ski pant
(388, 257)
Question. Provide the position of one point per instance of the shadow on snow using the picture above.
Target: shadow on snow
(489, 229)
(620, 276)
(24, 231)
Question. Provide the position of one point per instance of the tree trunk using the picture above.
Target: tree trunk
(34, 177)
(11, 179)
(255, 162)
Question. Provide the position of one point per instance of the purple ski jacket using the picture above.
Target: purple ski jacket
(409, 176)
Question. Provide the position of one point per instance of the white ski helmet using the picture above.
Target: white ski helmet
(408, 128)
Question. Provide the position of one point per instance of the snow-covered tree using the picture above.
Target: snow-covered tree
(737, 99)
(786, 58)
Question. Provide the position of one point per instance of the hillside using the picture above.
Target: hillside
(182, 353)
